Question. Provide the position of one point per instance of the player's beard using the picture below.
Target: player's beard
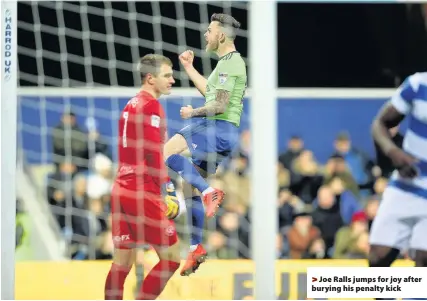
(212, 46)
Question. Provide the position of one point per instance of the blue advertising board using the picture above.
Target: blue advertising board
(317, 120)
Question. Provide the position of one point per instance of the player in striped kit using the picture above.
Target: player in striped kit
(401, 222)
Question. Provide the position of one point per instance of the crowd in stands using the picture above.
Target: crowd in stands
(78, 191)
(324, 210)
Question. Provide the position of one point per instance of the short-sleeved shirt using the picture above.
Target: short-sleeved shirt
(229, 75)
(142, 130)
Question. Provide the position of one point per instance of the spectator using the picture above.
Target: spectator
(63, 175)
(56, 198)
(283, 176)
(316, 250)
(358, 162)
(362, 247)
(105, 243)
(228, 224)
(60, 192)
(337, 167)
(371, 209)
(97, 220)
(346, 240)
(295, 147)
(217, 245)
(306, 177)
(100, 180)
(280, 247)
(330, 193)
(301, 234)
(237, 185)
(70, 142)
(79, 221)
(20, 233)
(348, 203)
(244, 236)
(96, 144)
(380, 185)
(383, 161)
(327, 216)
(79, 195)
(287, 205)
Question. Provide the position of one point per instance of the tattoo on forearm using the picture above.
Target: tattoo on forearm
(216, 107)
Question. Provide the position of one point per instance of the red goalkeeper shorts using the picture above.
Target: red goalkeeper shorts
(138, 218)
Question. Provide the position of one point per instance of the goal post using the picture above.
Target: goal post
(9, 96)
(263, 117)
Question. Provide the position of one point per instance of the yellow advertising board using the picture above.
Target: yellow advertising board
(215, 280)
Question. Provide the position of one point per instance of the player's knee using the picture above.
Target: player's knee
(167, 151)
(175, 145)
(124, 257)
(172, 253)
(381, 256)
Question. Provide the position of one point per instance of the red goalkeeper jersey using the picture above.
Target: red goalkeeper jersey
(142, 133)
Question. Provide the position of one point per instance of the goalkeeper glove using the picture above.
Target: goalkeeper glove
(173, 207)
(171, 201)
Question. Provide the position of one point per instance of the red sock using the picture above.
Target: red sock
(115, 282)
(157, 278)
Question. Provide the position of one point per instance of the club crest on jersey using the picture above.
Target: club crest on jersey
(169, 231)
(155, 121)
(133, 102)
(223, 78)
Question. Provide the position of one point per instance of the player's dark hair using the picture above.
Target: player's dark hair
(227, 22)
(151, 64)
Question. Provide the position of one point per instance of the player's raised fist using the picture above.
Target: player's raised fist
(186, 58)
(186, 112)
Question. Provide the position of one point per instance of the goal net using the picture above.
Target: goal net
(77, 70)
(86, 44)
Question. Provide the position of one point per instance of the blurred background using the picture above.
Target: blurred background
(77, 71)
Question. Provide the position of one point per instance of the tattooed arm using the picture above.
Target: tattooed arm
(218, 106)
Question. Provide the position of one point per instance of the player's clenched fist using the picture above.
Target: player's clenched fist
(186, 58)
(404, 163)
(186, 112)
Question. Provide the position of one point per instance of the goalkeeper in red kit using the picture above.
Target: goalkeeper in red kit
(140, 214)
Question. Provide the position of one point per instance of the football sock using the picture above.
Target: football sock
(197, 219)
(115, 281)
(156, 279)
(187, 171)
